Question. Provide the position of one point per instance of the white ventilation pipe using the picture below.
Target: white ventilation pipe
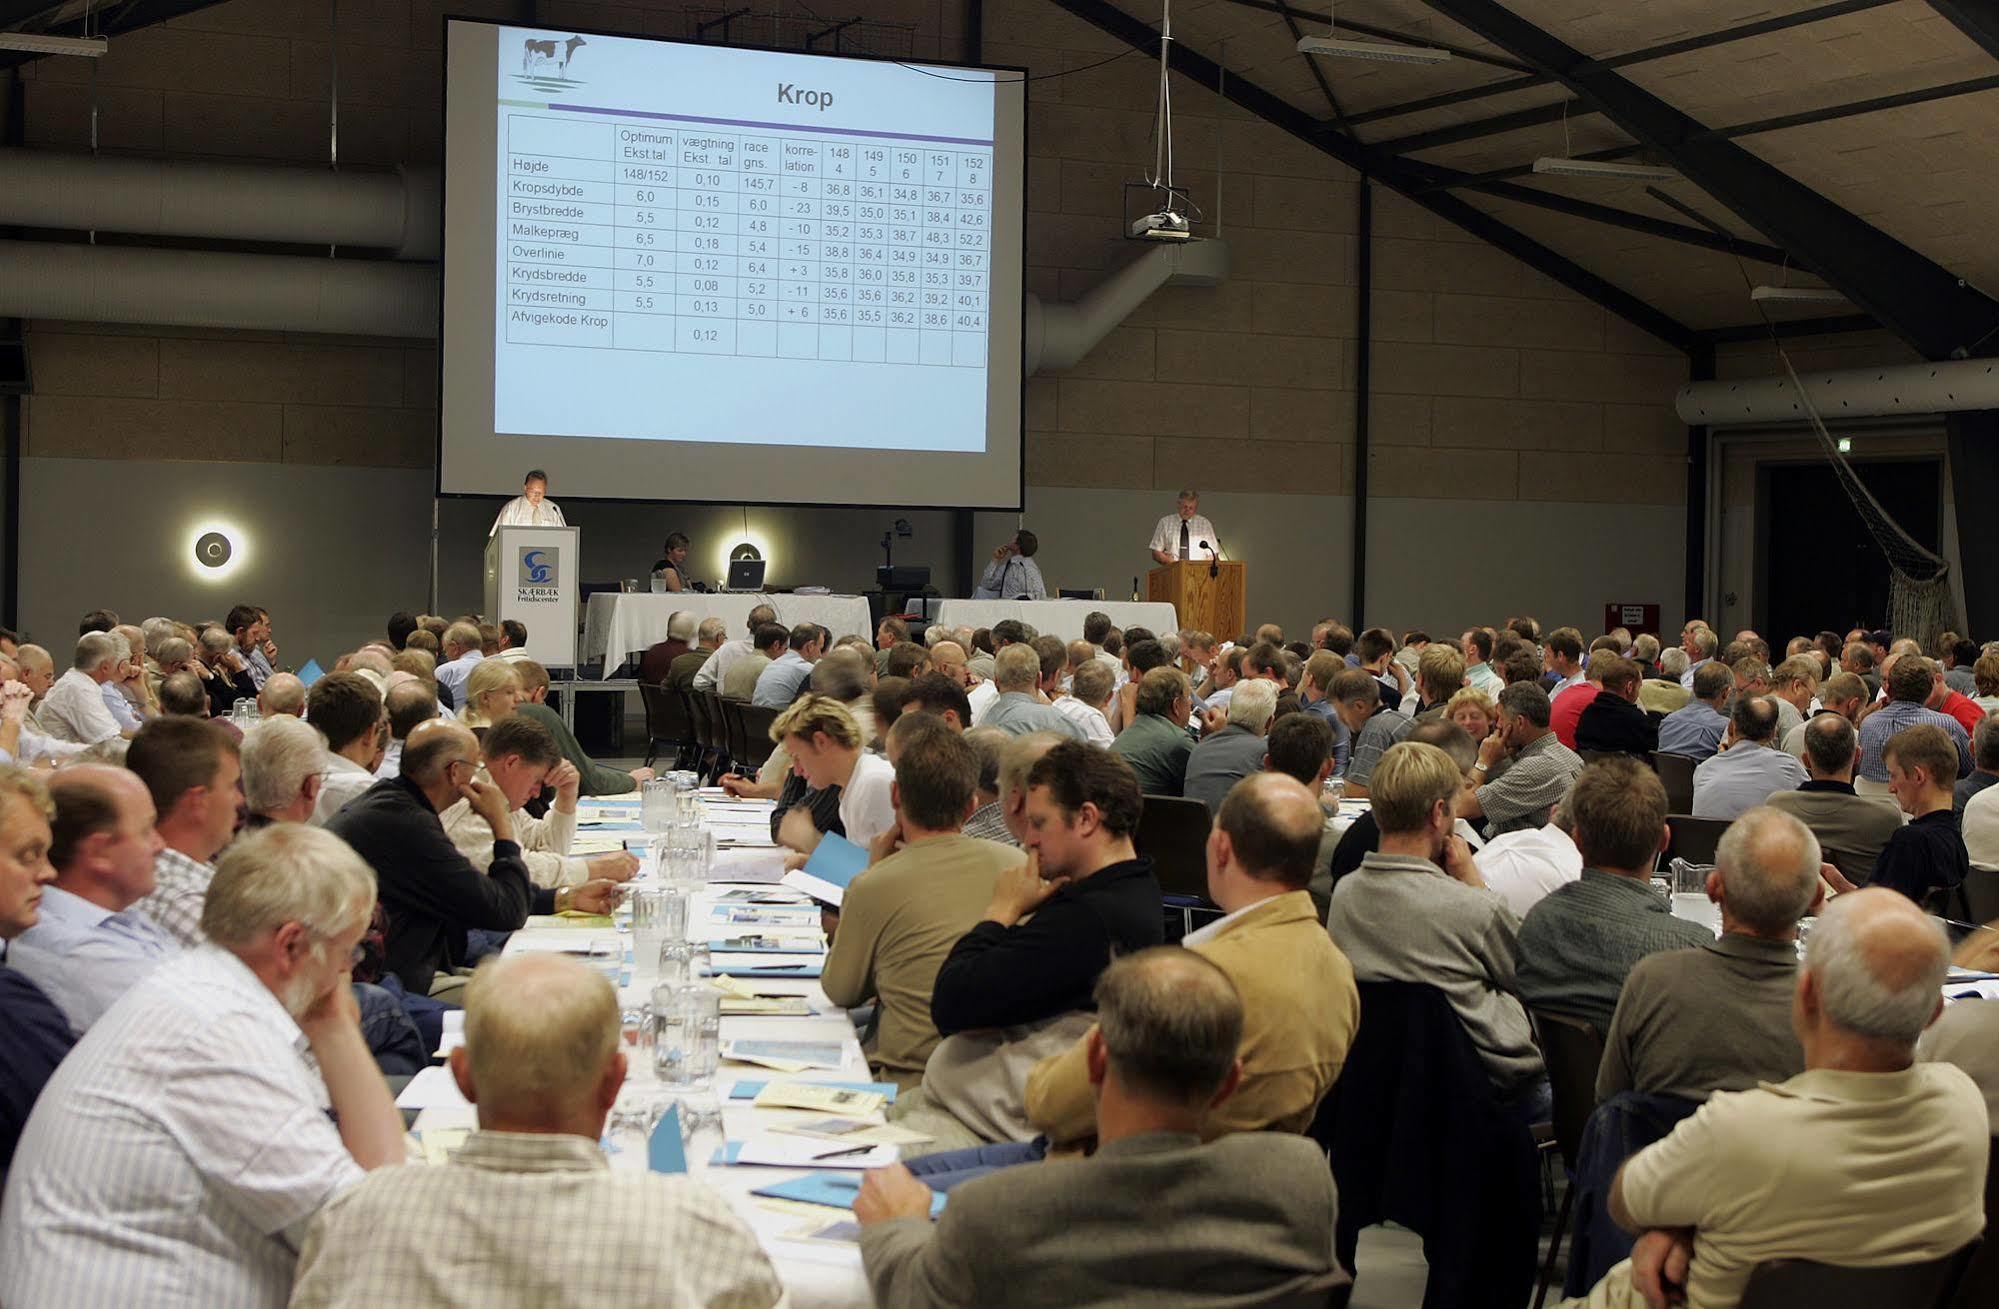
(188, 288)
(1059, 335)
(397, 211)
(1940, 388)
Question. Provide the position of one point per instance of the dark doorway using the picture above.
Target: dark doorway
(1820, 565)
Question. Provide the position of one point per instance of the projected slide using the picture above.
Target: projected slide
(740, 247)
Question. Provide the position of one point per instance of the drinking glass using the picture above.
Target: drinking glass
(658, 799)
(628, 1135)
(659, 914)
(689, 1048)
(607, 955)
(683, 962)
(636, 1035)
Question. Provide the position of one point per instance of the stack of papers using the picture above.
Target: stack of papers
(785, 1056)
(747, 1089)
(777, 1152)
(822, 1097)
(835, 1190)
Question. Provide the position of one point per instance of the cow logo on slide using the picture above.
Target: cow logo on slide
(538, 565)
(545, 62)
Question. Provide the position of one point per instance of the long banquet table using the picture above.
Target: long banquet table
(816, 1275)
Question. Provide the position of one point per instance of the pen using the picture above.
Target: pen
(842, 1154)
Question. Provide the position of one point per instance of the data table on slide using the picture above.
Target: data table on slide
(651, 232)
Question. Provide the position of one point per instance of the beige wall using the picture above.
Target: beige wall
(1499, 397)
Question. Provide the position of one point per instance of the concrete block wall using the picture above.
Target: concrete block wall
(1492, 385)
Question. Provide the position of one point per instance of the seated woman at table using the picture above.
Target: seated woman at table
(670, 571)
(492, 692)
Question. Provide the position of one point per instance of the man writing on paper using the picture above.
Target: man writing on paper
(1184, 534)
(531, 508)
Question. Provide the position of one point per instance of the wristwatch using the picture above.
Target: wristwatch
(1481, 767)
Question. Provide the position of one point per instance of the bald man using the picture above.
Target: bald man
(1274, 949)
(434, 894)
(526, 1210)
(1769, 1173)
(948, 658)
(283, 693)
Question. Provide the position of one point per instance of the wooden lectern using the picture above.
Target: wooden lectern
(1218, 605)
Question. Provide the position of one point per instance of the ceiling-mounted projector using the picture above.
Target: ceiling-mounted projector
(1603, 171)
(1381, 52)
(1797, 295)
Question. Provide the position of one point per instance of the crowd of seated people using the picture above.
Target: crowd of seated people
(224, 926)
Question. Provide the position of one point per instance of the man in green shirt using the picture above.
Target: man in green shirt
(597, 779)
(1156, 743)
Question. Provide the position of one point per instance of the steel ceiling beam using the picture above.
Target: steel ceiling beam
(1610, 215)
(1664, 50)
(1790, 327)
(1977, 19)
(1401, 175)
(1925, 304)
(1497, 125)
(1385, 34)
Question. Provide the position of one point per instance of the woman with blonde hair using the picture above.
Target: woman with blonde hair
(491, 693)
(1473, 710)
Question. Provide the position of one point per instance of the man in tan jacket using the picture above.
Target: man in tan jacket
(927, 885)
(1300, 1007)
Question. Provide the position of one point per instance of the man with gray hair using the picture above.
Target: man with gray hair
(181, 1150)
(1984, 764)
(462, 651)
(1717, 1017)
(1749, 768)
(74, 709)
(1090, 686)
(709, 678)
(282, 758)
(658, 658)
(526, 1209)
(1662, 693)
(1254, 1211)
(1771, 1173)
(680, 674)
(22, 739)
(1018, 673)
(1221, 759)
(1155, 743)
(1539, 769)
(988, 820)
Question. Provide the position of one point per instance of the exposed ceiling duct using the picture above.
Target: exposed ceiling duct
(1939, 388)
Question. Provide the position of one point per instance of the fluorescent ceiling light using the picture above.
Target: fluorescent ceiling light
(1383, 52)
(1551, 166)
(90, 47)
(1797, 295)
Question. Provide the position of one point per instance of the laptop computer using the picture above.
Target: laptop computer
(746, 575)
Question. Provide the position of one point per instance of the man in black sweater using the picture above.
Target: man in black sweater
(1085, 893)
(1613, 721)
(432, 894)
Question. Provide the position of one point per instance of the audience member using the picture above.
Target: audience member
(1538, 771)
(1523, 867)
(1090, 687)
(784, 680)
(491, 692)
(462, 652)
(1416, 910)
(347, 710)
(1770, 1173)
(826, 749)
(1927, 854)
(73, 709)
(1985, 764)
(1612, 722)
(658, 658)
(1580, 941)
(1011, 991)
(936, 693)
(1909, 683)
(91, 944)
(1222, 758)
(1696, 730)
(729, 653)
(1717, 1016)
(34, 1034)
(596, 778)
(542, 1062)
(432, 893)
(1155, 743)
(281, 758)
(988, 820)
(520, 758)
(926, 885)
(710, 636)
(1851, 829)
(1275, 952)
(181, 1150)
(1749, 768)
(1020, 708)
(1256, 1209)
(193, 771)
(1374, 727)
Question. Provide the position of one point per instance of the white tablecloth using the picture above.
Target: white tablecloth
(620, 623)
(1063, 618)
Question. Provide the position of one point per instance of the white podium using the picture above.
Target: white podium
(531, 577)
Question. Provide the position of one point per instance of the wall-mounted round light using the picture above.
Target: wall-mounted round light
(215, 551)
(741, 545)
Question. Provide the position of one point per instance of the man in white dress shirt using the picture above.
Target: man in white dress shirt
(531, 508)
(1185, 533)
(1013, 574)
(347, 710)
(73, 709)
(180, 1151)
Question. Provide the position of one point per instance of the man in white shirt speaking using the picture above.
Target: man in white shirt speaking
(532, 507)
(1185, 533)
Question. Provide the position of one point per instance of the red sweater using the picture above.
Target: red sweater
(1568, 707)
